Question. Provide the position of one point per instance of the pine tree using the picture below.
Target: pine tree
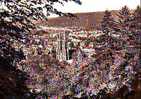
(108, 23)
(124, 21)
(108, 27)
(136, 29)
(124, 18)
(137, 20)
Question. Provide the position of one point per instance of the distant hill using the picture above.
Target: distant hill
(90, 20)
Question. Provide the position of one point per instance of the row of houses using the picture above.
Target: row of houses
(63, 41)
(65, 35)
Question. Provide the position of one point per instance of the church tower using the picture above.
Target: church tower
(62, 48)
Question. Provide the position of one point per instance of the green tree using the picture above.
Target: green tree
(136, 25)
(108, 23)
(109, 47)
(125, 18)
(108, 27)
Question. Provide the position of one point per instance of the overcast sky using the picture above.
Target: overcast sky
(97, 5)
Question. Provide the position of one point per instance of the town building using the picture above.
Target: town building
(64, 34)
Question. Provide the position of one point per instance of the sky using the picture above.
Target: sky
(97, 5)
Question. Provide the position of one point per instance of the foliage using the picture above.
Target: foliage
(114, 69)
(17, 18)
(136, 25)
(108, 23)
(112, 57)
